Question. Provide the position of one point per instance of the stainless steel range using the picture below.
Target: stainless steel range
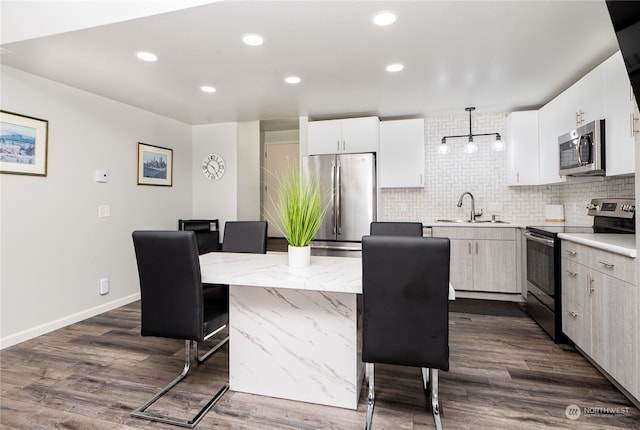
(544, 287)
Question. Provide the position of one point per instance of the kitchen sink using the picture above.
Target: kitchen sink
(473, 222)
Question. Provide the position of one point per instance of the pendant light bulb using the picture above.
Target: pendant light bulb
(471, 147)
(443, 149)
(498, 145)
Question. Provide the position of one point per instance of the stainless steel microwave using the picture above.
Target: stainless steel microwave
(582, 150)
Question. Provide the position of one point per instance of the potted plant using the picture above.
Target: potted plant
(300, 208)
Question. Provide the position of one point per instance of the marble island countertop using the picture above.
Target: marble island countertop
(623, 244)
(331, 274)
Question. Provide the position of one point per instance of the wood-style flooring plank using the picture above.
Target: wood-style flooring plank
(505, 374)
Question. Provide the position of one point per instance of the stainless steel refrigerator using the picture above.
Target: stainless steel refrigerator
(350, 181)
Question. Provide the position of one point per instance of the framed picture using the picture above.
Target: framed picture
(155, 165)
(23, 144)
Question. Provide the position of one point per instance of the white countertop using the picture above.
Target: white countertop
(271, 270)
(334, 274)
(507, 224)
(623, 244)
(472, 224)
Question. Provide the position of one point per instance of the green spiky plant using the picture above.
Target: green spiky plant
(301, 207)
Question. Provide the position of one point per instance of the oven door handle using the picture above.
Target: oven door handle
(539, 239)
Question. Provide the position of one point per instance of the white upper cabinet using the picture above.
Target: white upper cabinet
(401, 157)
(585, 99)
(621, 124)
(551, 124)
(522, 148)
(337, 136)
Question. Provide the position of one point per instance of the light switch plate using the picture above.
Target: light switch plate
(104, 211)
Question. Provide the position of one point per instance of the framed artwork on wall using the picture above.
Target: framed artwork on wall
(155, 165)
(23, 144)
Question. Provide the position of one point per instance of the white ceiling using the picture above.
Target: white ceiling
(495, 55)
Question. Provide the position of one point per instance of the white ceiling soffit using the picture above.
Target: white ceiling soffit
(498, 56)
(29, 19)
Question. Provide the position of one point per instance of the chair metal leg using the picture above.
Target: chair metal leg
(213, 350)
(435, 401)
(425, 378)
(369, 367)
(191, 423)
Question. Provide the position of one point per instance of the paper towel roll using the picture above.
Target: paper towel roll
(554, 213)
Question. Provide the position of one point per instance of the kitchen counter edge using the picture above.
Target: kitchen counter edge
(623, 244)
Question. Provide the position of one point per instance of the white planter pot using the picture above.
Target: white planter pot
(299, 256)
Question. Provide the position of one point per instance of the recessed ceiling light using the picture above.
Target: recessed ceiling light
(207, 89)
(146, 56)
(253, 39)
(385, 17)
(394, 67)
(292, 80)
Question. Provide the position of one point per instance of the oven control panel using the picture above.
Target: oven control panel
(614, 207)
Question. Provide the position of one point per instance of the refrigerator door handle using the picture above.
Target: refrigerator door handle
(338, 202)
(333, 197)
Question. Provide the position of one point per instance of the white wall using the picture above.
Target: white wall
(215, 199)
(249, 171)
(54, 248)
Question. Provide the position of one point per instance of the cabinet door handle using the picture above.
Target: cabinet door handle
(590, 286)
(469, 247)
(572, 253)
(632, 121)
(573, 314)
(476, 247)
(607, 265)
(421, 179)
(573, 274)
(577, 118)
(338, 145)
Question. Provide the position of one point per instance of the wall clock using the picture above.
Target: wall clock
(213, 167)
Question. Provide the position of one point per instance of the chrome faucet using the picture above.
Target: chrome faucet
(474, 214)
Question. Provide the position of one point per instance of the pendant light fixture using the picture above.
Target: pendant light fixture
(471, 146)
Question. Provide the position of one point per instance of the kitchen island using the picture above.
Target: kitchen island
(293, 333)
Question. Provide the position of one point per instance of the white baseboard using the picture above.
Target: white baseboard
(30, 333)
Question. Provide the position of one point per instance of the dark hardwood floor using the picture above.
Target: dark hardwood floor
(505, 374)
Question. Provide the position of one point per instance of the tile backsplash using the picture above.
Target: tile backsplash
(484, 174)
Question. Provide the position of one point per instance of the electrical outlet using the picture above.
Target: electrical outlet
(104, 286)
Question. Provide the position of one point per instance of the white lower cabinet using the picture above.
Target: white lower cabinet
(483, 259)
(600, 310)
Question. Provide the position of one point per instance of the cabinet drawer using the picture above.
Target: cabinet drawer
(576, 252)
(574, 283)
(615, 265)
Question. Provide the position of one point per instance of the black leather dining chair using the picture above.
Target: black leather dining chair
(207, 233)
(395, 228)
(405, 287)
(173, 305)
(245, 236)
